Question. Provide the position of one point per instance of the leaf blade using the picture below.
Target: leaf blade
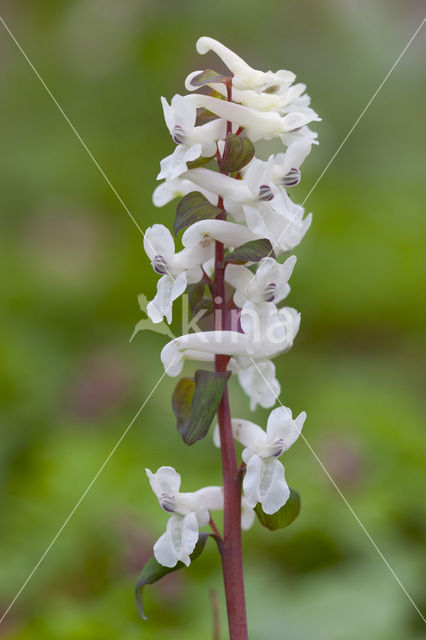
(251, 251)
(237, 153)
(195, 402)
(209, 76)
(192, 208)
(154, 571)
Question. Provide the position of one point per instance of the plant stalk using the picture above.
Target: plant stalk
(232, 561)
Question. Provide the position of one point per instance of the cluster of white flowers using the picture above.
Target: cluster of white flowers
(264, 106)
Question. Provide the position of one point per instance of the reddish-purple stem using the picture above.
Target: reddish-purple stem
(232, 561)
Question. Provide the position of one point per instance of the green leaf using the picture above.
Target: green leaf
(195, 402)
(196, 298)
(283, 517)
(251, 251)
(153, 571)
(182, 402)
(195, 294)
(209, 76)
(192, 208)
(147, 325)
(199, 162)
(238, 152)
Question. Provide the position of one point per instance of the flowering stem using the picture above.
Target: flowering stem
(232, 561)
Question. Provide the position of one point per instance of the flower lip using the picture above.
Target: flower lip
(159, 265)
(270, 292)
(265, 194)
(178, 135)
(292, 178)
(167, 503)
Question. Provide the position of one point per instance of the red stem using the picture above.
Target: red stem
(232, 560)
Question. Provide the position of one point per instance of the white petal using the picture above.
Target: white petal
(268, 124)
(165, 480)
(252, 479)
(165, 552)
(274, 490)
(184, 113)
(168, 289)
(244, 75)
(158, 241)
(216, 436)
(229, 233)
(221, 184)
(247, 515)
(189, 537)
(178, 542)
(236, 64)
(281, 425)
(168, 114)
(210, 498)
(248, 433)
(175, 164)
(170, 189)
(260, 384)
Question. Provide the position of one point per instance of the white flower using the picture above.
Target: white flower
(192, 141)
(205, 232)
(176, 269)
(177, 188)
(189, 512)
(245, 77)
(269, 284)
(264, 480)
(282, 165)
(260, 384)
(258, 124)
(268, 331)
(281, 221)
(267, 209)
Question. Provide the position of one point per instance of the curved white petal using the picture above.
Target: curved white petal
(260, 384)
(247, 515)
(282, 426)
(274, 491)
(158, 240)
(248, 433)
(229, 233)
(244, 75)
(252, 480)
(221, 184)
(267, 123)
(175, 164)
(210, 498)
(178, 542)
(168, 289)
(165, 480)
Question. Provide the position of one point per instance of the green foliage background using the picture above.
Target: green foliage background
(72, 264)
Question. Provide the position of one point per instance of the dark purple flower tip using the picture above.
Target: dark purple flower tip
(270, 292)
(265, 193)
(292, 178)
(178, 134)
(159, 265)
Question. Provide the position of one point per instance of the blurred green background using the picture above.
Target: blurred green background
(72, 264)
